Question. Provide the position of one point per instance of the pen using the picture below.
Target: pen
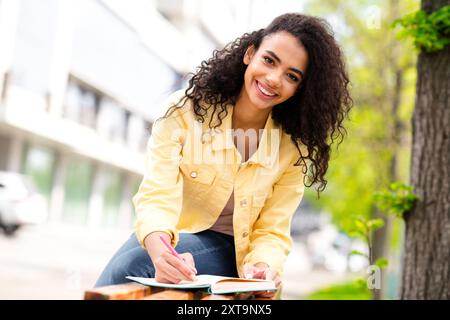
(172, 250)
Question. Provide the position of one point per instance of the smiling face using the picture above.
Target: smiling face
(274, 71)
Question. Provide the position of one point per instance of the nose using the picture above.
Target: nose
(273, 79)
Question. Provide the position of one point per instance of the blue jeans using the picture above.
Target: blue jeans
(213, 253)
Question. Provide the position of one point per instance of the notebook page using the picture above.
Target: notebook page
(203, 281)
(183, 285)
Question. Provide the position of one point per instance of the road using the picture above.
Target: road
(59, 262)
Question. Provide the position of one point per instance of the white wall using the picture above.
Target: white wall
(32, 59)
(110, 55)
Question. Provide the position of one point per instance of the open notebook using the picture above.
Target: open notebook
(214, 284)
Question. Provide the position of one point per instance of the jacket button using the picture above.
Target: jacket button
(194, 174)
(243, 203)
(245, 235)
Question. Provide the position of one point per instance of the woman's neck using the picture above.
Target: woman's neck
(246, 116)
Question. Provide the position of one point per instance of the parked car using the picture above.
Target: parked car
(20, 203)
(331, 249)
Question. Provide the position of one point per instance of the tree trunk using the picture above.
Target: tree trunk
(426, 267)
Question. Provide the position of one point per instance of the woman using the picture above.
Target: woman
(226, 164)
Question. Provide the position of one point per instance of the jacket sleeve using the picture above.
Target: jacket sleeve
(158, 200)
(270, 240)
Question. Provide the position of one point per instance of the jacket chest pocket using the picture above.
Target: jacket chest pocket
(197, 180)
(258, 202)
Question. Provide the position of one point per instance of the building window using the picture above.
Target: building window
(112, 197)
(78, 185)
(81, 104)
(38, 163)
(72, 102)
(88, 108)
(111, 122)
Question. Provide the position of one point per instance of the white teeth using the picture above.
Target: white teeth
(264, 90)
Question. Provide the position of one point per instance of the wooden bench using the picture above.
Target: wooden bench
(136, 291)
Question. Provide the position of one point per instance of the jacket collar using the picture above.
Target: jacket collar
(221, 138)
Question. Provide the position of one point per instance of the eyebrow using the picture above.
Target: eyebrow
(279, 61)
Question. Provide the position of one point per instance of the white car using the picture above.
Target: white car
(20, 203)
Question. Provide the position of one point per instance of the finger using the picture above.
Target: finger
(187, 272)
(248, 271)
(167, 272)
(175, 276)
(278, 282)
(271, 274)
(260, 273)
(184, 267)
(189, 260)
(161, 278)
(191, 267)
(178, 269)
(162, 274)
(166, 276)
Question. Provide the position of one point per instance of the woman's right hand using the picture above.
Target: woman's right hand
(170, 269)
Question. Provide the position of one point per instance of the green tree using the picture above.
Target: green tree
(376, 151)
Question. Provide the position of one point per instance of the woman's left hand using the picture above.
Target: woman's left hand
(261, 270)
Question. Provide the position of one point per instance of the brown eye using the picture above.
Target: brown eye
(292, 77)
(268, 60)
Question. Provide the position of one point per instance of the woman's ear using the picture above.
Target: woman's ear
(249, 53)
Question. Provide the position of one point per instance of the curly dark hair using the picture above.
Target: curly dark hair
(313, 116)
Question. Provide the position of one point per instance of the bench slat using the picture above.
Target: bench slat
(126, 291)
(136, 291)
(170, 295)
(218, 297)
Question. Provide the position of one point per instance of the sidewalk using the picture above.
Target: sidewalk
(54, 262)
(300, 279)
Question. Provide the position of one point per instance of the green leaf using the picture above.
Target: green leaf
(429, 31)
(360, 226)
(375, 224)
(382, 263)
(397, 200)
(358, 253)
(357, 234)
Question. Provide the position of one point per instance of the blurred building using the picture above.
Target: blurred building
(80, 84)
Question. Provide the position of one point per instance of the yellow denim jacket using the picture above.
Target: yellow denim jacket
(190, 173)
